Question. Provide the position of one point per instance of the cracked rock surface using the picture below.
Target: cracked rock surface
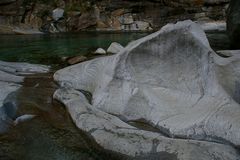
(171, 80)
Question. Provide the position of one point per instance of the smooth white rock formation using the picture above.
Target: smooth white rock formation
(213, 26)
(100, 51)
(115, 48)
(19, 68)
(171, 80)
(114, 134)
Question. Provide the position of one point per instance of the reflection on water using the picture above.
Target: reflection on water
(218, 40)
(48, 49)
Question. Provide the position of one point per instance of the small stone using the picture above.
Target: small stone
(213, 26)
(100, 51)
(142, 26)
(77, 59)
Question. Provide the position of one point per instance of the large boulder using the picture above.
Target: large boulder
(113, 134)
(173, 81)
(233, 23)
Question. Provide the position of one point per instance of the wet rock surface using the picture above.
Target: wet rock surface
(173, 81)
(11, 78)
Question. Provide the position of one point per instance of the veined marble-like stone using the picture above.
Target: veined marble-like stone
(171, 80)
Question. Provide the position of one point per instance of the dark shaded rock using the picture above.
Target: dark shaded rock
(4, 2)
(84, 21)
(233, 23)
(173, 81)
(76, 60)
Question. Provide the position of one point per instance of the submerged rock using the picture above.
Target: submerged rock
(171, 80)
(11, 74)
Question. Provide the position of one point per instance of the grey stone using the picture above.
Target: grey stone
(7, 77)
(100, 51)
(214, 26)
(6, 89)
(19, 68)
(57, 13)
(115, 48)
(126, 19)
(171, 80)
(113, 134)
(142, 26)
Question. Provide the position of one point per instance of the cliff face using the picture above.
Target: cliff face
(76, 15)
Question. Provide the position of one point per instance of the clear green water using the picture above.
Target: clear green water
(48, 49)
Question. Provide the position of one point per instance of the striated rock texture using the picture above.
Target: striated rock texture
(170, 80)
(233, 23)
(127, 15)
(11, 76)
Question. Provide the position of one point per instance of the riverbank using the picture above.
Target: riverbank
(73, 16)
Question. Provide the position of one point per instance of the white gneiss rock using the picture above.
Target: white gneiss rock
(171, 80)
(115, 48)
(100, 51)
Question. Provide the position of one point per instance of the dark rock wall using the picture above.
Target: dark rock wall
(108, 14)
(233, 23)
